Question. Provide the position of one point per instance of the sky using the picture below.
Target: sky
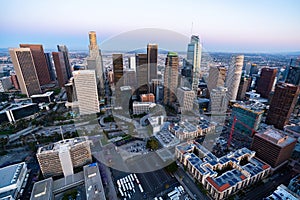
(223, 25)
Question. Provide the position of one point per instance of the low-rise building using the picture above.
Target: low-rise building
(282, 192)
(93, 183)
(294, 185)
(224, 176)
(11, 180)
(42, 190)
(148, 98)
(5, 84)
(142, 107)
(47, 97)
(18, 111)
(63, 156)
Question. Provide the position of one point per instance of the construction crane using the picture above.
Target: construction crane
(232, 130)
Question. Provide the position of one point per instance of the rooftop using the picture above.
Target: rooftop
(255, 107)
(42, 190)
(123, 88)
(93, 184)
(10, 174)
(282, 192)
(276, 137)
(172, 54)
(47, 94)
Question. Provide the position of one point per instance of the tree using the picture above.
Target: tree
(152, 144)
(172, 167)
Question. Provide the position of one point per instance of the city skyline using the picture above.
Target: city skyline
(222, 26)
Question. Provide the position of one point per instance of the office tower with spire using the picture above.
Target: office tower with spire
(234, 76)
(171, 78)
(64, 50)
(293, 74)
(152, 50)
(118, 69)
(266, 81)
(282, 104)
(94, 61)
(50, 66)
(86, 90)
(142, 73)
(60, 68)
(40, 62)
(194, 52)
(25, 70)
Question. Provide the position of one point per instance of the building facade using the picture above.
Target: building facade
(266, 81)
(118, 68)
(186, 98)
(293, 75)
(60, 68)
(64, 50)
(142, 73)
(216, 77)
(152, 51)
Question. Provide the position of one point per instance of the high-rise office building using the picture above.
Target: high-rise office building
(282, 104)
(216, 77)
(152, 50)
(194, 52)
(50, 66)
(132, 63)
(234, 76)
(218, 101)
(142, 73)
(253, 69)
(40, 62)
(187, 73)
(129, 78)
(25, 71)
(63, 156)
(243, 87)
(14, 80)
(60, 68)
(266, 81)
(154, 85)
(86, 91)
(65, 52)
(273, 147)
(94, 61)
(171, 78)
(118, 68)
(186, 98)
(293, 75)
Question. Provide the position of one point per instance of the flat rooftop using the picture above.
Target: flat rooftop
(42, 190)
(10, 174)
(123, 88)
(276, 137)
(93, 184)
(57, 145)
(255, 107)
(47, 94)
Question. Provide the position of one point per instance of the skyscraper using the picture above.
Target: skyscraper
(234, 76)
(266, 81)
(25, 71)
(65, 52)
(60, 68)
(152, 50)
(282, 104)
(186, 98)
(94, 61)
(293, 75)
(118, 68)
(218, 102)
(132, 62)
(142, 73)
(194, 58)
(171, 78)
(243, 87)
(216, 77)
(86, 91)
(40, 62)
(50, 66)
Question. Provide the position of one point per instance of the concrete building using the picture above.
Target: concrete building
(25, 70)
(142, 107)
(282, 192)
(71, 91)
(248, 116)
(12, 179)
(40, 62)
(282, 104)
(86, 91)
(64, 50)
(294, 185)
(60, 68)
(63, 156)
(148, 98)
(266, 81)
(273, 147)
(234, 76)
(14, 80)
(186, 98)
(93, 183)
(216, 77)
(94, 61)
(224, 176)
(171, 78)
(293, 75)
(194, 52)
(5, 84)
(142, 73)
(43, 190)
(218, 101)
(16, 112)
(243, 87)
(47, 97)
(152, 51)
(118, 68)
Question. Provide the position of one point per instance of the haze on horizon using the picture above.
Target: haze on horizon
(228, 26)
